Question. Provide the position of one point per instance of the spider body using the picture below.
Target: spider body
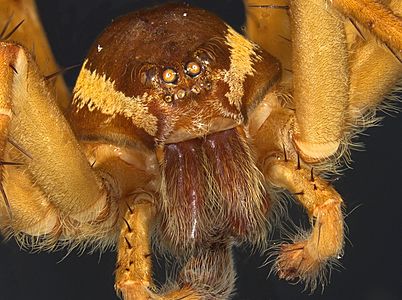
(180, 129)
(194, 123)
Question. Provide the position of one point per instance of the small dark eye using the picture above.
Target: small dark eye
(149, 75)
(170, 75)
(193, 69)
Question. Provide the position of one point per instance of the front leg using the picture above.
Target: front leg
(134, 270)
(32, 35)
(53, 184)
(207, 273)
(308, 256)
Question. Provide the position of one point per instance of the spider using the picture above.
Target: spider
(284, 152)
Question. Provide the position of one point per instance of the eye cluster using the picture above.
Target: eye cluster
(167, 78)
(171, 76)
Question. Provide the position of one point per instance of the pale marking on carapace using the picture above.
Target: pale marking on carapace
(98, 92)
(242, 57)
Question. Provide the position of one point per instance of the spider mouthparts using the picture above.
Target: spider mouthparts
(207, 184)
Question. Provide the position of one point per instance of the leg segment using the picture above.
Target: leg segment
(37, 125)
(320, 77)
(64, 187)
(366, 56)
(326, 100)
(207, 274)
(33, 37)
(308, 256)
(381, 21)
(134, 270)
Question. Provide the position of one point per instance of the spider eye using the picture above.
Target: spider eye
(170, 75)
(149, 75)
(193, 69)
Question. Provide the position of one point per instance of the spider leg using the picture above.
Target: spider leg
(51, 167)
(134, 271)
(379, 18)
(367, 55)
(322, 122)
(32, 35)
(207, 274)
(307, 257)
(332, 92)
(320, 78)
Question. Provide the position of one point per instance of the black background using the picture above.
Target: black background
(371, 266)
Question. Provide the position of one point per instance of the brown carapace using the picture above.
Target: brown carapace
(180, 81)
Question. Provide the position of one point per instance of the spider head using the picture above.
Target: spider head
(170, 74)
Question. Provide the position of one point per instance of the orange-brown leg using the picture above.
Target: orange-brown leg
(55, 161)
(32, 36)
(52, 190)
(52, 180)
(326, 104)
(309, 254)
(134, 269)
(307, 258)
(320, 78)
(375, 16)
(371, 62)
(207, 274)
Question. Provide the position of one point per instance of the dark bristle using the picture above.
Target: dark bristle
(19, 148)
(3, 31)
(284, 153)
(129, 208)
(285, 38)
(312, 175)
(13, 30)
(3, 193)
(285, 7)
(128, 243)
(357, 29)
(55, 74)
(394, 54)
(128, 225)
(298, 162)
(13, 68)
